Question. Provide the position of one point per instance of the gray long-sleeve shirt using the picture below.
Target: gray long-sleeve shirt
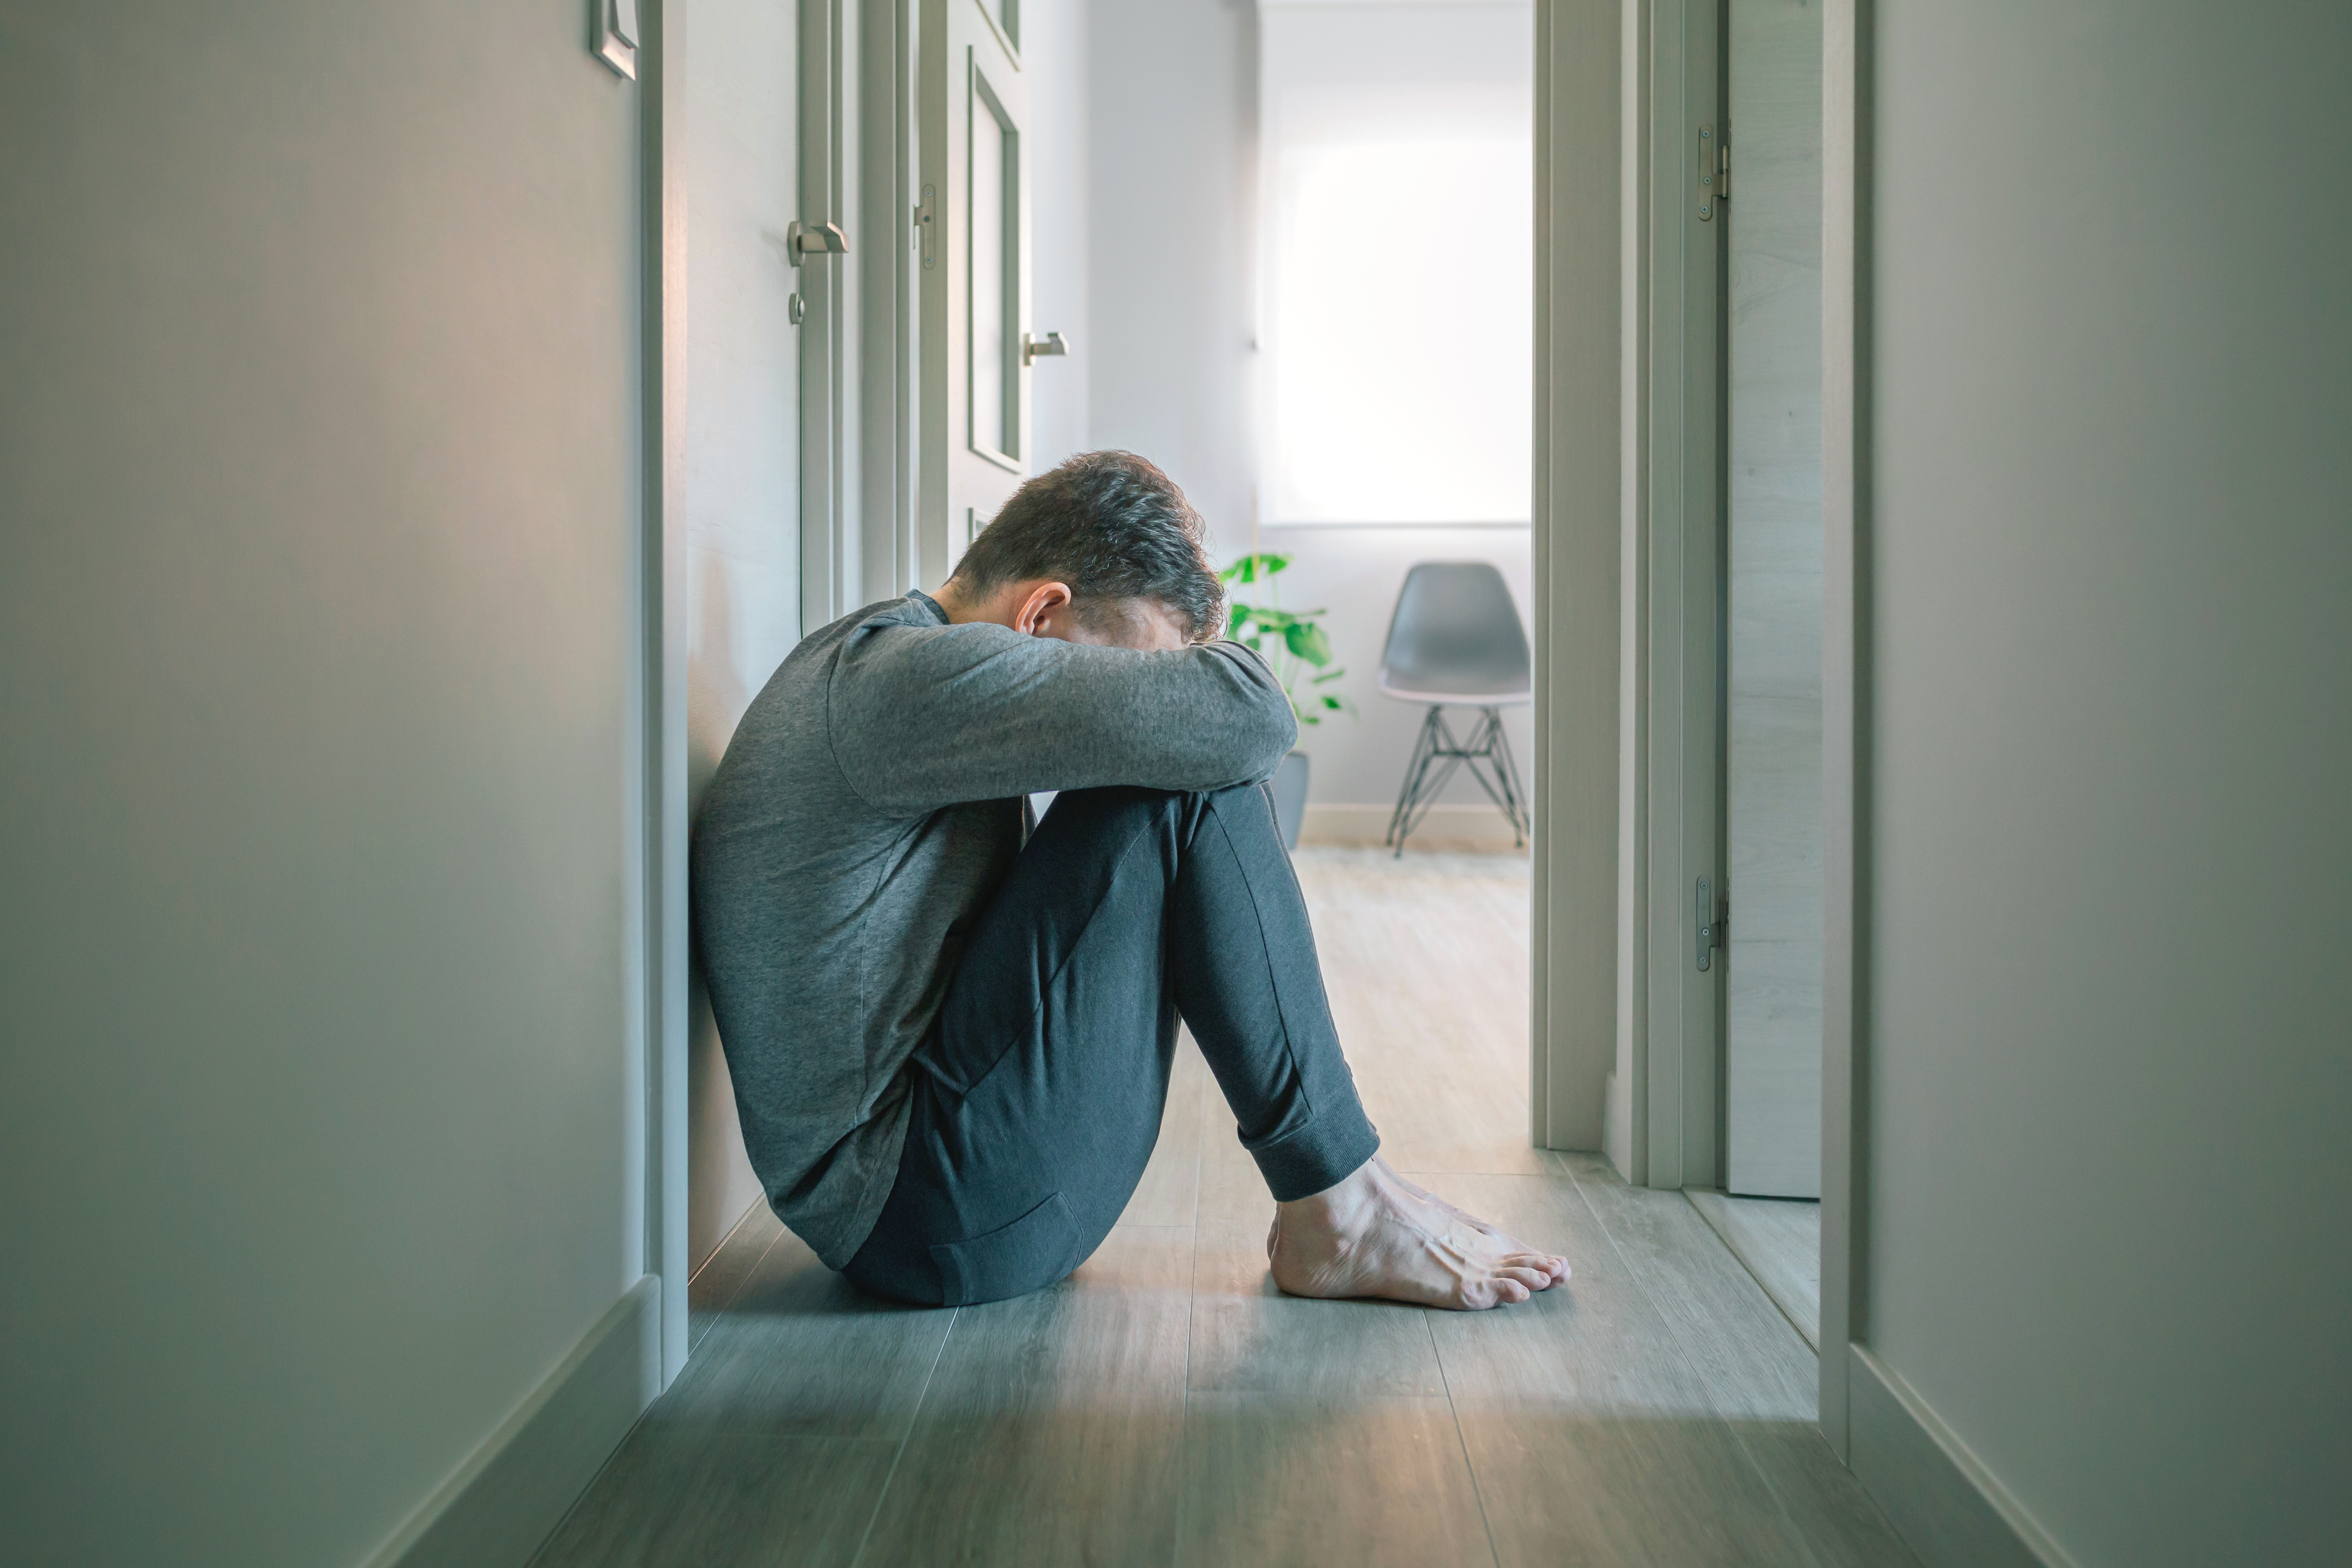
(867, 808)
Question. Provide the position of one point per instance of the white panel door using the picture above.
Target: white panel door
(1772, 996)
(973, 232)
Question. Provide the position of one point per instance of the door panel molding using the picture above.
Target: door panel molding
(962, 52)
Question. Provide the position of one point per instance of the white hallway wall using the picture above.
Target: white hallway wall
(318, 467)
(2109, 1036)
(1168, 232)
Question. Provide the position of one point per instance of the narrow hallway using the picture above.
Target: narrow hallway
(1166, 1406)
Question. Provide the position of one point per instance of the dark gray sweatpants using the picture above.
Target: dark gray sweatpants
(1039, 1088)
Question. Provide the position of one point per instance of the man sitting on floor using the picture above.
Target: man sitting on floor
(951, 1050)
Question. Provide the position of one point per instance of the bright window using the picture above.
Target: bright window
(1397, 303)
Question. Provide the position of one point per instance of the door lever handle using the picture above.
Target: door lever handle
(1035, 348)
(826, 239)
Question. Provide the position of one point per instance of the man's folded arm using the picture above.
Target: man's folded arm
(923, 717)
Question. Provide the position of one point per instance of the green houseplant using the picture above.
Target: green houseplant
(1300, 643)
(1295, 644)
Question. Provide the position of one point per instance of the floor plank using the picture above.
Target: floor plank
(1779, 1241)
(1053, 1427)
(1592, 1439)
(1425, 960)
(1755, 1364)
(715, 1284)
(800, 1352)
(1756, 1371)
(724, 1500)
(1369, 1482)
(1315, 1431)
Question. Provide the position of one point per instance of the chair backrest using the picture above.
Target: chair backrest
(1455, 633)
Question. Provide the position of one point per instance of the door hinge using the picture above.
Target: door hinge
(927, 225)
(1714, 170)
(1712, 920)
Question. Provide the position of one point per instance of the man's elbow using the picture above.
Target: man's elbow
(1276, 732)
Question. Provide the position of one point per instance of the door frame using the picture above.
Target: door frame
(656, 970)
(1628, 545)
(831, 408)
(1630, 342)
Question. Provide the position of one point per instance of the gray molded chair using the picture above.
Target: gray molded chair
(1455, 641)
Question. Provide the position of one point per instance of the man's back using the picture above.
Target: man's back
(867, 808)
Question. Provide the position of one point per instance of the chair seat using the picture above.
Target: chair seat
(1459, 699)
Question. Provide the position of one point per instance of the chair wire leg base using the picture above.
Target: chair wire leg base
(1438, 753)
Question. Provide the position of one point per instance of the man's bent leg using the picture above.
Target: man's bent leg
(1038, 1092)
(1248, 982)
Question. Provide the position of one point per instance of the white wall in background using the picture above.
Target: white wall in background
(320, 483)
(1171, 106)
(2109, 1035)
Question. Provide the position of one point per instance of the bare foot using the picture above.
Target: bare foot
(1375, 1233)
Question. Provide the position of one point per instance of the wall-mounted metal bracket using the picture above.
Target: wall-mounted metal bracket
(927, 225)
(1035, 348)
(1712, 173)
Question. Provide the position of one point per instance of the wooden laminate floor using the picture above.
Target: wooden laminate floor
(1779, 1241)
(1166, 1406)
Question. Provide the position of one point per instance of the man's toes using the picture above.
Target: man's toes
(1477, 1295)
(1528, 1275)
(1553, 1266)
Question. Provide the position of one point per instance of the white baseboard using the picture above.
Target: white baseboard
(513, 1490)
(1474, 827)
(1947, 1506)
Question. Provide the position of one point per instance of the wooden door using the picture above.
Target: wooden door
(1772, 997)
(973, 231)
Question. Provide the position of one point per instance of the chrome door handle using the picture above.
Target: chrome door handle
(1033, 349)
(826, 239)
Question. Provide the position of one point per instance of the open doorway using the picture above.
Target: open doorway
(1395, 339)
(1299, 239)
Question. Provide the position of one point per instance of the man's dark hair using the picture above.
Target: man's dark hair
(1114, 528)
